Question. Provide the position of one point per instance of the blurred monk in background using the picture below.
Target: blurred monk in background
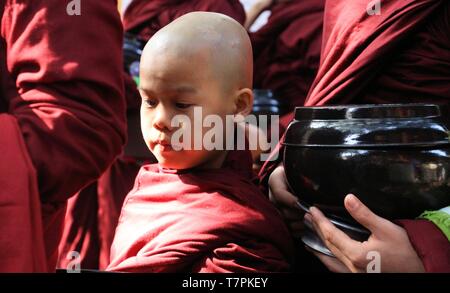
(287, 49)
(62, 119)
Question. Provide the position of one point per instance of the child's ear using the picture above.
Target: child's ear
(243, 102)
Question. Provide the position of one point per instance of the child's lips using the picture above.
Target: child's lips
(162, 143)
(164, 146)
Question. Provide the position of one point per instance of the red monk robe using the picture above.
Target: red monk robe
(145, 17)
(399, 56)
(200, 221)
(67, 98)
(92, 215)
(287, 50)
(22, 242)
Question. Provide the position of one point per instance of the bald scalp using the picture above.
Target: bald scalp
(211, 38)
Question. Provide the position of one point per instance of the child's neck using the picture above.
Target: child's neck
(215, 163)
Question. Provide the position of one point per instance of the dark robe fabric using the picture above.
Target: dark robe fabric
(66, 94)
(287, 50)
(144, 18)
(430, 243)
(96, 209)
(212, 220)
(399, 56)
(92, 215)
(21, 242)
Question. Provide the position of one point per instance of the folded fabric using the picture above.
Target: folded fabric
(21, 242)
(440, 218)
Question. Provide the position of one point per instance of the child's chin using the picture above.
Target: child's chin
(173, 165)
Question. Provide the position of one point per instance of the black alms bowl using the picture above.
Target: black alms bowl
(395, 158)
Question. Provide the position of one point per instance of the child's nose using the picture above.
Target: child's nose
(162, 119)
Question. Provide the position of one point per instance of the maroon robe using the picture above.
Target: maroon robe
(67, 98)
(430, 243)
(92, 215)
(399, 56)
(145, 17)
(21, 242)
(287, 50)
(200, 221)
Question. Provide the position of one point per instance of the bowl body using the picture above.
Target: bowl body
(395, 158)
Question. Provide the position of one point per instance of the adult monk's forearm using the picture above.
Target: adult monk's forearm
(66, 89)
(430, 244)
(254, 11)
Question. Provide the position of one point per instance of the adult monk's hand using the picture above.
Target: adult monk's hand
(263, 3)
(285, 201)
(388, 242)
(257, 8)
(267, 3)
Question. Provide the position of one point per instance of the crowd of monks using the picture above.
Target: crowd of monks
(65, 99)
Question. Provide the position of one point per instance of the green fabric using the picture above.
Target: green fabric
(137, 80)
(440, 219)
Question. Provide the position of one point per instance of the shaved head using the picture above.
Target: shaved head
(209, 41)
(202, 61)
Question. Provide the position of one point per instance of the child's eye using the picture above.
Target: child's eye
(151, 103)
(182, 105)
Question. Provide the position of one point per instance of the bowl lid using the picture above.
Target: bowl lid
(379, 111)
(369, 126)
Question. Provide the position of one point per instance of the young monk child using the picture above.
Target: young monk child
(197, 210)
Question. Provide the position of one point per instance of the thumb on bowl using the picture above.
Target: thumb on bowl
(362, 214)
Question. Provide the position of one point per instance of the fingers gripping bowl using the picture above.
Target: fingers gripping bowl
(395, 158)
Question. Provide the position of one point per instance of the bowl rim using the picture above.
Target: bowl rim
(347, 112)
(340, 224)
